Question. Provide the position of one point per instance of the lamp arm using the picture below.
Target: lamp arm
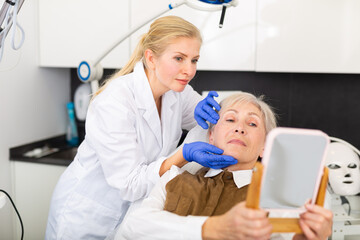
(89, 71)
(134, 29)
(199, 6)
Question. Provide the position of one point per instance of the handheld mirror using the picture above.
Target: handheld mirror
(293, 166)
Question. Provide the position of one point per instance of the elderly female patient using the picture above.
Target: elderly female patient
(210, 203)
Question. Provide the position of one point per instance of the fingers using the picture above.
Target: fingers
(212, 102)
(201, 121)
(204, 111)
(316, 222)
(220, 161)
(252, 223)
(319, 210)
(306, 230)
(207, 147)
(212, 116)
(213, 94)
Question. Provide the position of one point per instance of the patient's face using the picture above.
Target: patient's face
(240, 132)
(344, 172)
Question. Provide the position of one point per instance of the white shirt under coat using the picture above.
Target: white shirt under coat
(150, 221)
(119, 160)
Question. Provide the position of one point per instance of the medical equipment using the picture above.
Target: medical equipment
(343, 162)
(8, 17)
(344, 173)
(92, 71)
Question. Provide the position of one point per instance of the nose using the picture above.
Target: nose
(189, 69)
(240, 130)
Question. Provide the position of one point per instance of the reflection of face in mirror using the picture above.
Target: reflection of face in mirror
(344, 172)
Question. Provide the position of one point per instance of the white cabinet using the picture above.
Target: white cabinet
(308, 36)
(229, 48)
(72, 31)
(33, 185)
(258, 35)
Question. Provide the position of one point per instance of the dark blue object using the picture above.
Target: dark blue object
(216, 1)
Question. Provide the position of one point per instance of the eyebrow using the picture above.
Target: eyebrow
(197, 56)
(236, 111)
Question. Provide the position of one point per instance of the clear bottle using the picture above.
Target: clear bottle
(72, 136)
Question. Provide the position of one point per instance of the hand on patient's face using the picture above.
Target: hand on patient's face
(204, 110)
(207, 155)
(239, 223)
(316, 223)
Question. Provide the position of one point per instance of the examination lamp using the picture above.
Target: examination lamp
(92, 71)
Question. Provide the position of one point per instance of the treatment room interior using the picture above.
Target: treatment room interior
(304, 56)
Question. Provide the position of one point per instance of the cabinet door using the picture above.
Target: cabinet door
(33, 186)
(74, 30)
(308, 36)
(229, 48)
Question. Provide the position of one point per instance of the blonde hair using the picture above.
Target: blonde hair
(161, 33)
(244, 97)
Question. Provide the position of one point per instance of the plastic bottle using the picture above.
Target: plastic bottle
(72, 136)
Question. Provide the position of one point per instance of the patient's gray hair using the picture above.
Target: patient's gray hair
(241, 97)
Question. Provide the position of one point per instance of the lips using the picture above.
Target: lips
(183, 81)
(348, 182)
(237, 141)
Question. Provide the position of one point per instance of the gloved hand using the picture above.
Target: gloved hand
(204, 110)
(207, 155)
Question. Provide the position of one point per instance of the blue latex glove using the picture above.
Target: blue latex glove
(204, 111)
(207, 155)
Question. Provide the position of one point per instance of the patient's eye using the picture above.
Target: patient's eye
(253, 124)
(352, 165)
(230, 120)
(333, 166)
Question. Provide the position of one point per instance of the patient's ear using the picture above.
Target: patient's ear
(211, 137)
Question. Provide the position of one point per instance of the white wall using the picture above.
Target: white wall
(32, 103)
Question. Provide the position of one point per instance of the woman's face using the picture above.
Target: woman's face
(175, 68)
(240, 132)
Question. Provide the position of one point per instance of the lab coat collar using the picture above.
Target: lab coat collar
(241, 177)
(148, 108)
(142, 95)
(142, 88)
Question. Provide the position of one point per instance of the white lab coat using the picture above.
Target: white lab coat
(119, 160)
